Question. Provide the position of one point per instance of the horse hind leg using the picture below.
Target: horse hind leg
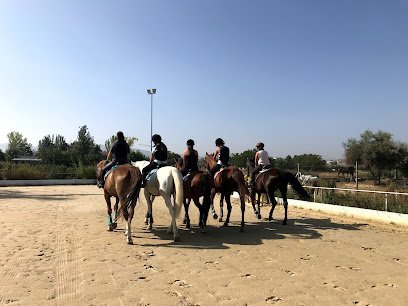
(186, 220)
(115, 214)
(271, 197)
(109, 210)
(229, 208)
(221, 208)
(173, 225)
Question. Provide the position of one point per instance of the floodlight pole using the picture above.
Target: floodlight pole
(151, 92)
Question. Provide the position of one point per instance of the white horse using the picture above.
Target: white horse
(167, 181)
(306, 179)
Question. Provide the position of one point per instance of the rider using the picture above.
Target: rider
(261, 161)
(157, 158)
(119, 155)
(221, 154)
(190, 159)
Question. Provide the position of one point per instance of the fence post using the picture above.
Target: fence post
(386, 201)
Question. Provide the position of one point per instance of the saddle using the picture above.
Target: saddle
(264, 169)
(109, 171)
(218, 172)
(150, 174)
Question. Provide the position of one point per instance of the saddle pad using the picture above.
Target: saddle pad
(110, 170)
(150, 174)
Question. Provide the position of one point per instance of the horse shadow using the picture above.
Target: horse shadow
(219, 237)
(17, 194)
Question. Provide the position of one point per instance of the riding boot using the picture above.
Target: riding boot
(100, 183)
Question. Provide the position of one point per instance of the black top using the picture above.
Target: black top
(224, 155)
(160, 152)
(191, 160)
(120, 150)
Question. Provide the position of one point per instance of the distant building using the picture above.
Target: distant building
(26, 160)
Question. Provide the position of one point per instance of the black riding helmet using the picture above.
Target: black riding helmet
(260, 145)
(219, 142)
(190, 142)
(156, 138)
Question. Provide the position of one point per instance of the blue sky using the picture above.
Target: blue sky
(300, 76)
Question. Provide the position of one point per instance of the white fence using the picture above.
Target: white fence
(385, 193)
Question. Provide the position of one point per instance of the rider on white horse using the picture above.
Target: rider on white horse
(158, 157)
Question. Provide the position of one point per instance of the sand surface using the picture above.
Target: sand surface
(56, 250)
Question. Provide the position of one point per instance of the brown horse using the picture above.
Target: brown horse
(197, 184)
(227, 181)
(346, 170)
(123, 183)
(268, 182)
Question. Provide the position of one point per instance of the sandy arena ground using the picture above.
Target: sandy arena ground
(55, 250)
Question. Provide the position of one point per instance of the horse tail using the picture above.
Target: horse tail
(178, 188)
(133, 191)
(293, 181)
(238, 176)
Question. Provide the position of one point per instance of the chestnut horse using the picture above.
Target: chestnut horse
(123, 183)
(227, 181)
(268, 181)
(197, 184)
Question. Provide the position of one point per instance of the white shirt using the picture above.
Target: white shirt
(263, 158)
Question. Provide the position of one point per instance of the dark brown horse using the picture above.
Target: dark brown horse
(123, 183)
(196, 185)
(227, 181)
(346, 170)
(268, 182)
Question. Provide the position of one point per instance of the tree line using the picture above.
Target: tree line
(377, 152)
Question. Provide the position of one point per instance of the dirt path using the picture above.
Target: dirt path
(55, 250)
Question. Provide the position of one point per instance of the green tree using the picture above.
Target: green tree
(84, 151)
(18, 146)
(376, 151)
(137, 155)
(240, 159)
(54, 150)
(310, 162)
(2, 156)
(172, 157)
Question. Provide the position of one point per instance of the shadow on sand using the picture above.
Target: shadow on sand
(255, 233)
(18, 194)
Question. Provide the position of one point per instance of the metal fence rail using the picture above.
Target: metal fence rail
(385, 193)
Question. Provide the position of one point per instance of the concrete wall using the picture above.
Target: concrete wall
(4, 183)
(361, 213)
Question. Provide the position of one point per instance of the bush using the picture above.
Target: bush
(10, 171)
(85, 172)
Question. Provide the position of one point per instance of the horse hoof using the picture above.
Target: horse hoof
(114, 225)
(146, 222)
(130, 242)
(150, 227)
(215, 216)
(225, 224)
(259, 216)
(110, 229)
(270, 218)
(220, 220)
(188, 226)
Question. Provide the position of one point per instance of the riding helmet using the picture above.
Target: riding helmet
(260, 145)
(156, 138)
(190, 142)
(219, 142)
